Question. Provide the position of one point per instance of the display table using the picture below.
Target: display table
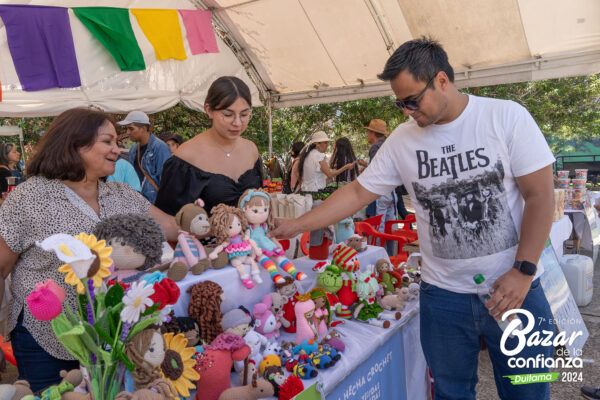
(561, 230)
(586, 228)
(376, 360)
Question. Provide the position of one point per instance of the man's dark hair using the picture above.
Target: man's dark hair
(424, 57)
(142, 125)
(57, 155)
(224, 91)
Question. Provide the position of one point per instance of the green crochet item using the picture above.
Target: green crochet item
(55, 392)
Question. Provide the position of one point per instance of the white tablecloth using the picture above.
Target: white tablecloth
(361, 339)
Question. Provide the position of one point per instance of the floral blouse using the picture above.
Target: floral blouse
(39, 208)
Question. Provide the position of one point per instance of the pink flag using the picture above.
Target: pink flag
(200, 34)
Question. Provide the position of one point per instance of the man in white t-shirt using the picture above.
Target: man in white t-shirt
(479, 173)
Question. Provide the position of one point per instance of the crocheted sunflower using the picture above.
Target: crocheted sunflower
(178, 365)
(99, 268)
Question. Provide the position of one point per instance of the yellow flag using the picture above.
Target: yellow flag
(162, 29)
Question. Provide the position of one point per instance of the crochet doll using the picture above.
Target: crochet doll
(368, 309)
(289, 290)
(205, 308)
(147, 351)
(322, 318)
(228, 224)
(136, 242)
(189, 253)
(305, 311)
(387, 280)
(256, 205)
(214, 365)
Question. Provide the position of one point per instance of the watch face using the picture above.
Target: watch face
(526, 267)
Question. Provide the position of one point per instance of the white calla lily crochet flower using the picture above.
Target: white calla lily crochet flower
(71, 251)
(136, 300)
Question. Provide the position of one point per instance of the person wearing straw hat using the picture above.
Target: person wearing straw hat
(313, 169)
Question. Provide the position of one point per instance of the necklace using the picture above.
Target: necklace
(227, 153)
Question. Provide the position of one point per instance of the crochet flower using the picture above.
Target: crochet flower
(136, 300)
(166, 292)
(54, 288)
(72, 251)
(163, 315)
(100, 267)
(178, 365)
(44, 304)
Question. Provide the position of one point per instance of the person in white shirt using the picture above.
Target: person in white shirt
(462, 153)
(313, 168)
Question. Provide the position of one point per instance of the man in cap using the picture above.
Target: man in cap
(147, 155)
(454, 141)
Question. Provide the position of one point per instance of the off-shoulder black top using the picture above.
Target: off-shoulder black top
(183, 183)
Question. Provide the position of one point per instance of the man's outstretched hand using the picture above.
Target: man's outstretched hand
(286, 228)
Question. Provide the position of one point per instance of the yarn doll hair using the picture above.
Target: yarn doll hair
(205, 308)
(135, 350)
(366, 280)
(287, 280)
(257, 198)
(137, 231)
(222, 216)
(171, 326)
(160, 387)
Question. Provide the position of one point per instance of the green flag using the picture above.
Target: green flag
(112, 27)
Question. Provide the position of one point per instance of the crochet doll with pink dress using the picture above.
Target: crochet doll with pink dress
(256, 205)
(228, 224)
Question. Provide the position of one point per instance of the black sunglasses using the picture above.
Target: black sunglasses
(412, 104)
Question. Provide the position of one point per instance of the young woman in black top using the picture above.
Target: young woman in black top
(217, 165)
(342, 155)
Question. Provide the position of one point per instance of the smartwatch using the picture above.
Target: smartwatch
(526, 267)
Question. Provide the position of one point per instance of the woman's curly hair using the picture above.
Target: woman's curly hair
(205, 308)
(222, 216)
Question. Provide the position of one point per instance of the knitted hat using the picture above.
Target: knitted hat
(342, 254)
(234, 318)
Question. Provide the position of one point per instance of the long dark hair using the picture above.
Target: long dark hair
(56, 156)
(342, 155)
(303, 154)
(5, 149)
(224, 91)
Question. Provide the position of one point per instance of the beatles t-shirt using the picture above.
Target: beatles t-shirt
(461, 179)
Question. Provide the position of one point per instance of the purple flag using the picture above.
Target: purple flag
(41, 46)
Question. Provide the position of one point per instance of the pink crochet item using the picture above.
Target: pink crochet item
(54, 288)
(248, 284)
(43, 304)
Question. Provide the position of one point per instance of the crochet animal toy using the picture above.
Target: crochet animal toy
(334, 339)
(387, 280)
(288, 290)
(256, 342)
(205, 308)
(392, 302)
(189, 253)
(229, 225)
(214, 365)
(272, 348)
(368, 310)
(147, 351)
(136, 242)
(358, 243)
(305, 327)
(258, 389)
(256, 205)
(266, 323)
(275, 301)
(344, 230)
(16, 391)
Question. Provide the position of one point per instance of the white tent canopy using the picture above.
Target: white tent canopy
(317, 51)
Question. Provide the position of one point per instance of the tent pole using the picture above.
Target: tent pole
(270, 114)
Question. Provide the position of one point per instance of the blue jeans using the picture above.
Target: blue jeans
(451, 327)
(35, 365)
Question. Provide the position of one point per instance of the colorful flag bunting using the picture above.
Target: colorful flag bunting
(41, 46)
(199, 31)
(162, 29)
(112, 27)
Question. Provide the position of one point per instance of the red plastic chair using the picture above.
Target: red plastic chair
(365, 229)
(406, 230)
(375, 221)
(304, 242)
